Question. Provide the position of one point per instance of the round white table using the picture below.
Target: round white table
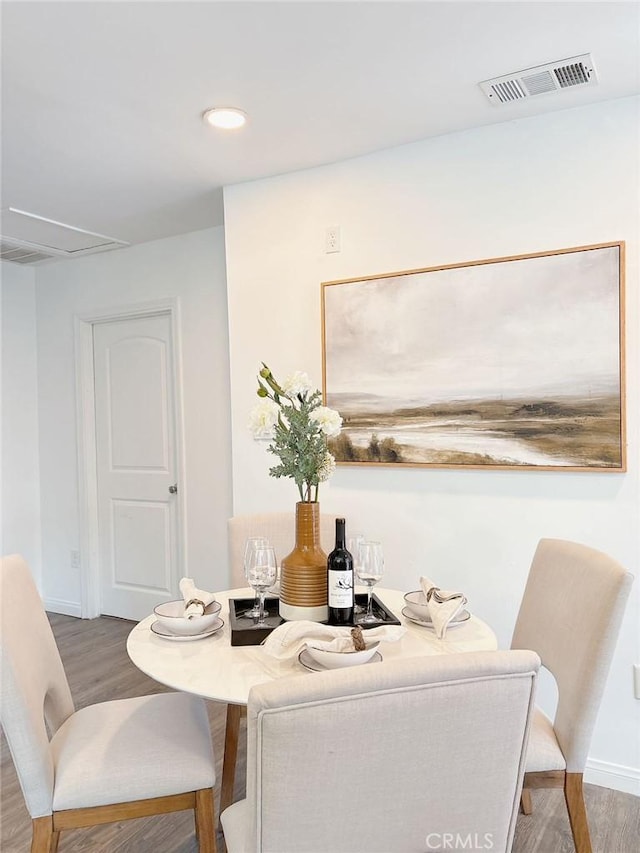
(211, 667)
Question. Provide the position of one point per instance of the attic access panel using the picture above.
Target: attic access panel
(50, 237)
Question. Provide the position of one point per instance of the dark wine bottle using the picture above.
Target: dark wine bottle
(340, 580)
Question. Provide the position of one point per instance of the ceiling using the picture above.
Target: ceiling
(102, 102)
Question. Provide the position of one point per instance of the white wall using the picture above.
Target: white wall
(20, 492)
(560, 180)
(191, 268)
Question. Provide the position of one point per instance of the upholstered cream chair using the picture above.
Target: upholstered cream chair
(400, 756)
(570, 615)
(106, 762)
(279, 528)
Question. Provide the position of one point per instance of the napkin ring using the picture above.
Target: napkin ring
(436, 593)
(194, 601)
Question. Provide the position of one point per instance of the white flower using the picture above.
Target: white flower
(297, 383)
(327, 468)
(328, 420)
(290, 416)
(263, 418)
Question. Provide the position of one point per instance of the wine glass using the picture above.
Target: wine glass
(369, 570)
(353, 547)
(261, 574)
(251, 544)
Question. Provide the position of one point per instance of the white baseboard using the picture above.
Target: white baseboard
(67, 608)
(616, 776)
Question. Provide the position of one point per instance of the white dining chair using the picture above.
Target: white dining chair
(107, 762)
(279, 528)
(570, 615)
(398, 756)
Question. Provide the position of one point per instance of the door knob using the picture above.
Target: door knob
(173, 489)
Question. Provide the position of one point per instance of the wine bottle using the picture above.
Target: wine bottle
(340, 580)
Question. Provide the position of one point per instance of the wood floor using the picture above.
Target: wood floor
(98, 669)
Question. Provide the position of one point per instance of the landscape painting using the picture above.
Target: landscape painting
(506, 363)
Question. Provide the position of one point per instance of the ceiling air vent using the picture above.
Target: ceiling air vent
(552, 77)
(46, 238)
(21, 254)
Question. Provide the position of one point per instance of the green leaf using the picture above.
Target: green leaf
(298, 442)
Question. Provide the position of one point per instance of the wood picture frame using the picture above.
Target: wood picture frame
(511, 363)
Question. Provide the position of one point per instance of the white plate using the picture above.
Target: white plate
(460, 619)
(157, 629)
(309, 663)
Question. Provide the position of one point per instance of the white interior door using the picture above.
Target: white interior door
(136, 464)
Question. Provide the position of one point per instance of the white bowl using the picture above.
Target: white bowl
(171, 616)
(335, 660)
(417, 604)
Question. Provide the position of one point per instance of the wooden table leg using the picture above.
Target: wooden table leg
(232, 730)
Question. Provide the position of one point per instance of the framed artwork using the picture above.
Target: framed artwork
(513, 362)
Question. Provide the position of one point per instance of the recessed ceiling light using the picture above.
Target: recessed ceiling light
(228, 118)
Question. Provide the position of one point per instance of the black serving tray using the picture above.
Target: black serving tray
(245, 632)
(383, 615)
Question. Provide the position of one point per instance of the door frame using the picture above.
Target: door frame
(90, 598)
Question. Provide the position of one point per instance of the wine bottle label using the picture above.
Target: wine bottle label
(340, 589)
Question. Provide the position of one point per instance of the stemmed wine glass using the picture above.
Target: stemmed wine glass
(261, 574)
(353, 547)
(251, 544)
(369, 570)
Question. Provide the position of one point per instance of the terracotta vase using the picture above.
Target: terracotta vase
(303, 572)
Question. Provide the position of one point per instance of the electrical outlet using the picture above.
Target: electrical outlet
(75, 559)
(636, 680)
(332, 239)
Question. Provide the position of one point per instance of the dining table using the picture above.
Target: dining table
(212, 668)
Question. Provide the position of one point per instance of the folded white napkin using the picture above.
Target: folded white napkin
(443, 606)
(289, 639)
(195, 600)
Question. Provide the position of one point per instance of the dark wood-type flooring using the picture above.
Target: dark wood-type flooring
(98, 669)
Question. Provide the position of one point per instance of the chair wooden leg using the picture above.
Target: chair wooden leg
(525, 801)
(44, 839)
(205, 824)
(574, 798)
(232, 731)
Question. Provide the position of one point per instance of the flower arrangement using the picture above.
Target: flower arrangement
(292, 418)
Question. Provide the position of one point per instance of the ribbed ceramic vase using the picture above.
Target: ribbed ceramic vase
(303, 572)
